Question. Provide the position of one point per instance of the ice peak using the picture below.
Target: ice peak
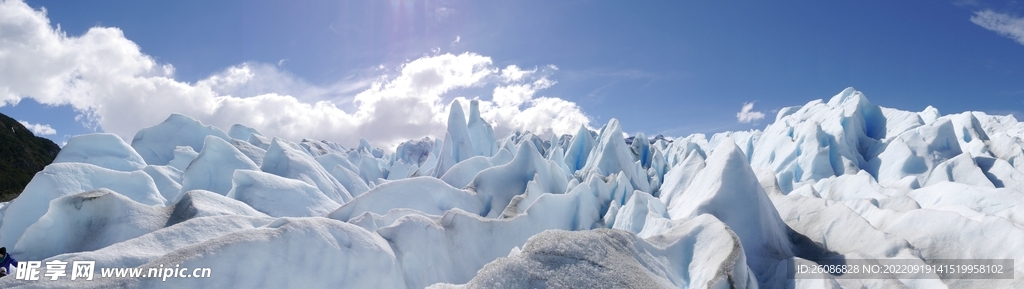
(725, 185)
(848, 94)
(156, 143)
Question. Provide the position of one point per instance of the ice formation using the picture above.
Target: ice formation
(826, 181)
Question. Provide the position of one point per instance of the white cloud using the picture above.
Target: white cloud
(252, 79)
(747, 115)
(1005, 24)
(116, 87)
(550, 115)
(38, 128)
(514, 95)
(513, 73)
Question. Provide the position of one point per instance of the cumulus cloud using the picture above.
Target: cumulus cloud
(253, 79)
(513, 73)
(747, 113)
(117, 88)
(39, 129)
(514, 105)
(1005, 24)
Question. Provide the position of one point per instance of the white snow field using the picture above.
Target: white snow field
(828, 181)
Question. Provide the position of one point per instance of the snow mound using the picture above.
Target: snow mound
(157, 144)
(461, 174)
(721, 189)
(917, 152)
(497, 185)
(167, 180)
(88, 221)
(200, 203)
(279, 197)
(145, 248)
(183, 156)
(425, 194)
(287, 160)
(611, 155)
(350, 180)
(253, 152)
(64, 179)
(242, 132)
(321, 147)
(212, 169)
(617, 259)
(101, 149)
(305, 252)
(102, 217)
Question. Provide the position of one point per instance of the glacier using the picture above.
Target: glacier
(828, 181)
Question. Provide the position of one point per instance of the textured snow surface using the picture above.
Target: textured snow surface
(830, 180)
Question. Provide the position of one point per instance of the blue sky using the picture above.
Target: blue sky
(661, 67)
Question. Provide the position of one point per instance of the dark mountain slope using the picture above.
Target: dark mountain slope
(22, 154)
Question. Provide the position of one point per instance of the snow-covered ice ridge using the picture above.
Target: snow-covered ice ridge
(843, 178)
